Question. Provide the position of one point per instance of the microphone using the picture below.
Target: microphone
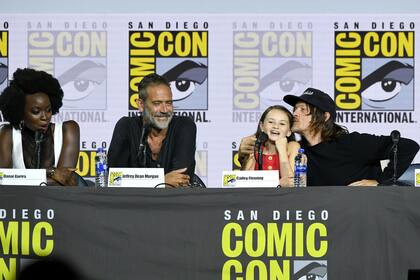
(395, 137)
(39, 138)
(142, 146)
(263, 137)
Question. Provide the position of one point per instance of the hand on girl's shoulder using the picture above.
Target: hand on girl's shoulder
(293, 146)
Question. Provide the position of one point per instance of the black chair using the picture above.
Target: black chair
(407, 178)
(413, 274)
(81, 182)
(197, 182)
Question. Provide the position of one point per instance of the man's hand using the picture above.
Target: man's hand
(177, 179)
(365, 183)
(246, 148)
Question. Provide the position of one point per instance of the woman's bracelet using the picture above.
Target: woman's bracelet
(51, 172)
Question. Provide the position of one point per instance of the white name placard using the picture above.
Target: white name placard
(23, 177)
(136, 177)
(251, 179)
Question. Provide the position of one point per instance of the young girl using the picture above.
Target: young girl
(280, 149)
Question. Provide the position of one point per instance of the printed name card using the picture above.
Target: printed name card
(136, 177)
(417, 178)
(23, 177)
(251, 179)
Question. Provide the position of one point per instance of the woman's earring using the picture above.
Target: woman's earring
(21, 125)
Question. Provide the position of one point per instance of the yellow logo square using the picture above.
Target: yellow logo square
(229, 180)
(115, 178)
(417, 178)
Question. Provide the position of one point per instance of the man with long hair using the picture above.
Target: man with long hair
(335, 156)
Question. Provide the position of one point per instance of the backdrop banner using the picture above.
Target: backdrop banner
(312, 233)
(224, 71)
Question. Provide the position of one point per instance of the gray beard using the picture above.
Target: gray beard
(153, 122)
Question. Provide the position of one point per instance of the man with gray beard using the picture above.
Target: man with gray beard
(157, 138)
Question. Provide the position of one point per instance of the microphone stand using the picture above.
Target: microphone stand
(258, 146)
(260, 157)
(38, 155)
(142, 147)
(394, 176)
(144, 153)
(395, 137)
(39, 138)
(256, 152)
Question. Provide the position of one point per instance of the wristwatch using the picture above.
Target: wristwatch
(51, 172)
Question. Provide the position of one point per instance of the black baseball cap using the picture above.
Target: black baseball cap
(315, 97)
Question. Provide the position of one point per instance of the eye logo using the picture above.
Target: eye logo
(312, 271)
(387, 86)
(185, 77)
(115, 178)
(229, 180)
(81, 80)
(289, 78)
(417, 178)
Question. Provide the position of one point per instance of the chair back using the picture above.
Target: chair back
(197, 182)
(81, 182)
(407, 178)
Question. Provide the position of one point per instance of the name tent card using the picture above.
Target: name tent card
(251, 179)
(136, 177)
(23, 177)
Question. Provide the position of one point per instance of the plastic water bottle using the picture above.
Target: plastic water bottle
(101, 168)
(300, 169)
